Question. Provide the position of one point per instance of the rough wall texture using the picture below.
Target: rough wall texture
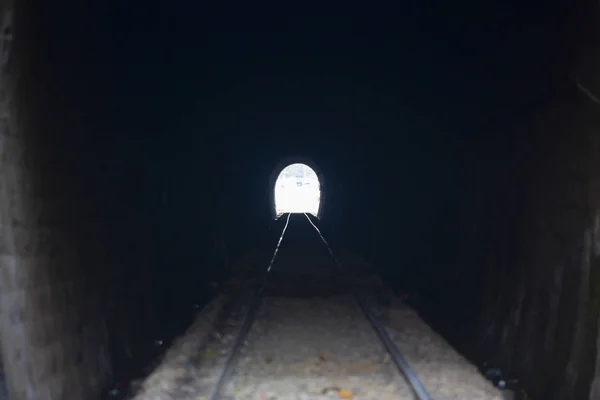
(541, 253)
(81, 297)
(53, 337)
(65, 269)
(5, 42)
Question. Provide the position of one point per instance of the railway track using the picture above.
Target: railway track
(273, 348)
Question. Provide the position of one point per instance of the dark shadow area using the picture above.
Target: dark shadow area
(458, 144)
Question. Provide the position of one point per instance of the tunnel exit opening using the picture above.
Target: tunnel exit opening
(297, 190)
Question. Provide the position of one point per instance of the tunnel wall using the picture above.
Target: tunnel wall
(502, 242)
(521, 292)
(538, 215)
(53, 337)
(82, 290)
(6, 19)
(551, 325)
(534, 214)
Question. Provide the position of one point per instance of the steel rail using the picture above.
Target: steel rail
(403, 365)
(396, 355)
(247, 324)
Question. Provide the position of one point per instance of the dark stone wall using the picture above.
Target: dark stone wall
(538, 319)
(80, 290)
(538, 246)
(522, 286)
(54, 278)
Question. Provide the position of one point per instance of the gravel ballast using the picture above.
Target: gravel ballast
(315, 348)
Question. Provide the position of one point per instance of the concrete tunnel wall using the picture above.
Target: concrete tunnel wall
(47, 338)
(74, 271)
(539, 314)
(62, 284)
(79, 277)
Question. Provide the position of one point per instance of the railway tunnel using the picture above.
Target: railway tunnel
(139, 145)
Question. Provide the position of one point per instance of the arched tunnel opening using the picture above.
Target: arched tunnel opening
(458, 165)
(297, 189)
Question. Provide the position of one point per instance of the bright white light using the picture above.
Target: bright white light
(297, 190)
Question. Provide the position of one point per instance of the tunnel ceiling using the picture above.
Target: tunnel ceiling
(258, 72)
(369, 89)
